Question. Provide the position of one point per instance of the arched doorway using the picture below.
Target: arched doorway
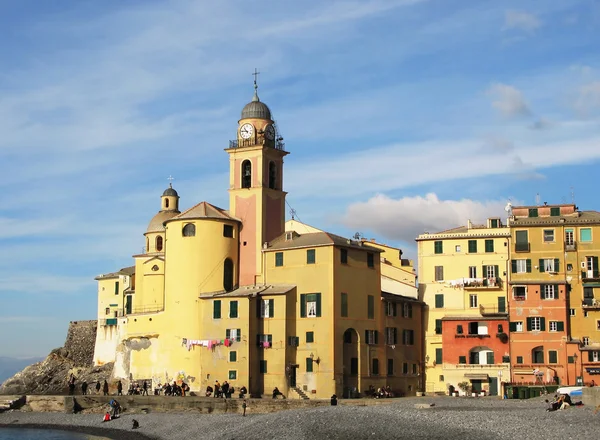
(351, 366)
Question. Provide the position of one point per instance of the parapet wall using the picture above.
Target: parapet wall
(590, 396)
(80, 342)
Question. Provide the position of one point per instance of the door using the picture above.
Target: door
(128, 302)
(501, 304)
(293, 375)
(493, 386)
(475, 386)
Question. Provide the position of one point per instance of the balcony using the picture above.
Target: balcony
(111, 321)
(483, 283)
(522, 247)
(492, 310)
(590, 304)
(570, 246)
(480, 366)
(147, 309)
(590, 275)
(278, 143)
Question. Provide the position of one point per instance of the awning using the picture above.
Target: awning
(476, 376)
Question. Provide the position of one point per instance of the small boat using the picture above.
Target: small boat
(571, 391)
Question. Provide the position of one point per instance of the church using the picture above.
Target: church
(240, 295)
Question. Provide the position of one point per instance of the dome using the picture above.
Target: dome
(256, 109)
(170, 192)
(156, 224)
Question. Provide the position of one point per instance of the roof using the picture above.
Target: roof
(251, 291)
(394, 297)
(583, 218)
(204, 210)
(255, 108)
(316, 239)
(170, 192)
(129, 271)
(157, 222)
(475, 318)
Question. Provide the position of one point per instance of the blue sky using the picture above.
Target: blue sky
(401, 117)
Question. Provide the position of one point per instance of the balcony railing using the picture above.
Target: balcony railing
(521, 247)
(492, 309)
(483, 283)
(278, 143)
(147, 309)
(590, 274)
(590, 303)
(111, 321)
(480, 366)
(570, 246)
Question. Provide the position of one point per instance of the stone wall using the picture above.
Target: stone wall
(80, 342)
(590, 396)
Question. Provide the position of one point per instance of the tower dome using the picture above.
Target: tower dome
(255, 108)
(170, 192)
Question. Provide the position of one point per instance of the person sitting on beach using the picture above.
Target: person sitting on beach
(276, 393)
(566, 401)
(209, 390)
(389, 392)
(106, 417)
(371, 392)
(243, 392)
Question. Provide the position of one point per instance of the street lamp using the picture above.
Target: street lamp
(575, 360)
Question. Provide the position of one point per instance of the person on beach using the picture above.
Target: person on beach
(276, 393)
(244, 405)
(225, 389)
(84, 387)
(105, 387)
(243, 392)
(217, 389)
(106, 417)
(145, 389)
(116, 408)
(98, 387)
(119, 388)
(209, 390)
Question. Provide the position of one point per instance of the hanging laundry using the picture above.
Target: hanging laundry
(226, 342)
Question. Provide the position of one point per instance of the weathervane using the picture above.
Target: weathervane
(170, 179)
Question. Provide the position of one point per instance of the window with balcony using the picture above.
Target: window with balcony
(569, 237)
(472, 271)
(549, 291)
(521, 241)
(490, 272)
(548, 235)
(519, 293)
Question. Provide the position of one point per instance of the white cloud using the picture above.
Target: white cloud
(588, 98)
(404, 219)
(508, 100)
(524, 21)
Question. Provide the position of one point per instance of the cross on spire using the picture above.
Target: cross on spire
(255, 74)
(170, 179)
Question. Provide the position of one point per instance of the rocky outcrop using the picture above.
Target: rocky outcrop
(51, 375)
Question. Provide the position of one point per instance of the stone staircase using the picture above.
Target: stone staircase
(301, 393)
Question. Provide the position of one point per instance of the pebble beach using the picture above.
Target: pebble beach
(465, 418)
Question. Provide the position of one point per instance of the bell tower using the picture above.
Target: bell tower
(256, 195)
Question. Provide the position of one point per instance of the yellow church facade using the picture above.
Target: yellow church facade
(239, 295)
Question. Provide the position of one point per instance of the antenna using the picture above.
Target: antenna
(357, 236)
(293, 213)
(537, 199)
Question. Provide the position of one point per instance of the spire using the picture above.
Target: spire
(255, 97)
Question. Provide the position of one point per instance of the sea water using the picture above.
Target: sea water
(44, 434)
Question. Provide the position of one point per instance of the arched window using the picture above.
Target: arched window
(246, 174)
(228, 275)
(481, 356)
(537, 355)
(189, 230)
(166, 203)
(272, 175)
(159, 243)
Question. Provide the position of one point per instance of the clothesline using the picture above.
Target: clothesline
(208, 343)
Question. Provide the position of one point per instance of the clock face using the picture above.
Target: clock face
(246, 131)
(270, 132)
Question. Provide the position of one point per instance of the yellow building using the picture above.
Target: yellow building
(238, 295)
(463, 283)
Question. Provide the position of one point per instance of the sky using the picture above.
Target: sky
(401, 116)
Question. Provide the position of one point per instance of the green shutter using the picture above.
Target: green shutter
(512, 326)
(554, 212)
(117, 288)
(462, 359)
(490, 357)
(553, 357)
(258, 303)
(484, 273)
(303, 305)
(217, 309)
(556, 291)
(556, 265)
(318, 296)
(438, 247)
(543, 324)
(278, 259)
(472, 246)
(533, 212)
(529, 324)
(438, 326)
(595, 263)
(560, 326)
(376, 337)
(272, 308)
(513, 266)
(310, 256)
(438, 356)
(489, 245)
(497, 272)
(238, 337)
(370, 307)
(227, 334)
(309, 365)
(232, 356)
(310, 337)
(590, 356)
(394, 313)
(439, 301)
(501, 304)
(395, 336)
(528, 264)
(541, 266)
(233, 309)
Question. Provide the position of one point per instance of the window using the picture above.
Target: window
(232, 374)
(490, 271)
(264, 341)
(390, 308)
(228, 231)
(159, 243)
(548, 292)
(189, 230)
(263, 366)
(439, 301)
(473, 301)
(555, 212)
(246, 174)
(344, 256)
(405, 368)
(457, 248)
(234, 334)
(375, 369)
(519, 359)
(516, 326)
(438, 247)
(391, 336)
(438, 356)
(438, 326)
(598, 324)
(415, 369)
(520, 266)
(233, 309)
(310, 305)
(217, 309)
(536, 324)
(571, 312)
(459, 329)
(310, 256)
(533, 212)
(519, 293)
(278, 259)
(585, 235)
(370, 307)
(371, 337)
(472, 272)
(272, 175)
(521, 241)
(553, 326)
(537, 355)
(108, 310)
(233, 356)
(228, 275)
(472, 246)
(310, 337)
(505, 359)
(293, 341)
(408, 337)
(309, 365)
(462, 359)
(569, 237)
(549, 264)
(489, 245)
(344, 305)
(116, 287)
(586, 340)
(354, 366)
(439, 273)
(407, 310)
(390, 367)
(370, 260)
(266, 308)
(569, 267)
(548, 235)
(166, 203)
